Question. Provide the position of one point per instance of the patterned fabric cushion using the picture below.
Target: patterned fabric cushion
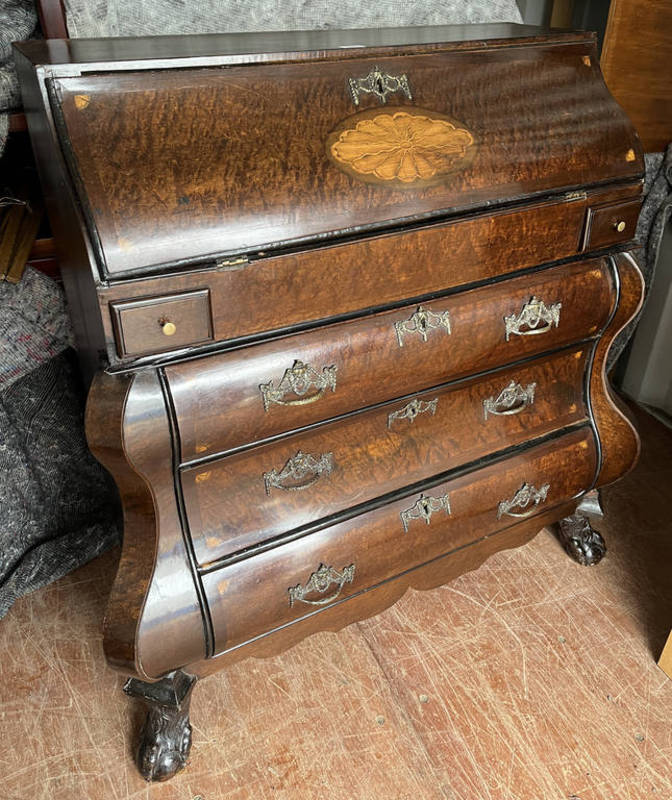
(58, 507)
(91, 18)
(34, 326)
(18, 19)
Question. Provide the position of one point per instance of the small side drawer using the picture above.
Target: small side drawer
(153, 324)
(611, 224)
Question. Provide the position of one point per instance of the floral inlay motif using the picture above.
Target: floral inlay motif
(402, 146)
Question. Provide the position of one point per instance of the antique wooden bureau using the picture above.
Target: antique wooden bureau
(345, 299)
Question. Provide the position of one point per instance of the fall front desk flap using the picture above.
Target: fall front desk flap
(189, 164)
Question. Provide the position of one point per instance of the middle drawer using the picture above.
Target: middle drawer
(231, 399)
(249, 497)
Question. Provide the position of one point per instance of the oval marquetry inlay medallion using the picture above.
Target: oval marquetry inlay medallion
(400, 146)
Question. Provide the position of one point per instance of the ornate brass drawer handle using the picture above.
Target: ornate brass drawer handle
(319, 582)
(422, 322)
(302, 471)
(379, 83)
(535, 317)
(413, 409)
(526, 495)
(298, 380)
(423, 508)
(513, 399)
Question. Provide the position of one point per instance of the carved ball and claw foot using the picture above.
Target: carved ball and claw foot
(165, 739)
(581, 541)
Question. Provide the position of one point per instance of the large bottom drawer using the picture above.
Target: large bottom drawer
(285, 583)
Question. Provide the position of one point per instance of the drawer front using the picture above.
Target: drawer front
(258, 494)
(225, 401)
(611, 224)
(273, 153)
(273, 293)
(156, 324)
(288, 582)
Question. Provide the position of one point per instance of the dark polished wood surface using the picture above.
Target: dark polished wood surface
(636, 63)
(317, 284)
(144, 630)
(145, 326)
(610, 224)
(299, 434)
(308, 44)
(619, 439)
(231, 508)
(218, 400)
(205, 179)
(380, 548)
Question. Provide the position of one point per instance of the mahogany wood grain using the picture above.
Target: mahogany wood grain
(609, 224)
(51, 14)
(244, 604)
(619, 440)
(165, 161)
(211, 180)
(636, 61)
(145, 632)
(141, 326)
(277, 292)
(219, 403)
(230, 507)
(435, 573)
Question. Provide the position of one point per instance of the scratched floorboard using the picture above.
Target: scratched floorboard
(529, 679)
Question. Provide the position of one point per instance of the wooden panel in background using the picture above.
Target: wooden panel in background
(636, 66)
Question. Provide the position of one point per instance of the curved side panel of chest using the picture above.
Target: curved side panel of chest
(618, 437)
(153, 622)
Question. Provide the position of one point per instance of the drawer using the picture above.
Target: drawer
(253, 496)
(286, 583)
(154, 324)
(227, 400)
(610, 224)
(276, 292)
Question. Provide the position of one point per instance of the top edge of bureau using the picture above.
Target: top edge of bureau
(157, 51)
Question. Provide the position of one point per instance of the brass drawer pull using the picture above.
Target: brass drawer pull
(413, 409)
(168, 328)
(299, 379)
(319, 582)
(422, 322)
(521, 499)
(423, 508)
(302, 471)
(513, 399)
(535, 317)
(379, 83)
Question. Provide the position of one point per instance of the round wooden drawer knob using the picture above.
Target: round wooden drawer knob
(168, 328)
(620, 226)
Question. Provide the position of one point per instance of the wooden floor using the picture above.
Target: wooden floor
(529, 679)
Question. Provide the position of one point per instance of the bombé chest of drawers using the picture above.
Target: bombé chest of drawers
(345, 301)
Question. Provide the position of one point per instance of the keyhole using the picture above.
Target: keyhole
(379, 85)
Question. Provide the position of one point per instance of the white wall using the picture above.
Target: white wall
(648, 374)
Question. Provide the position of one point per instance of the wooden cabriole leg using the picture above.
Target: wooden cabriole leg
(165, 740)
(581, 541)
